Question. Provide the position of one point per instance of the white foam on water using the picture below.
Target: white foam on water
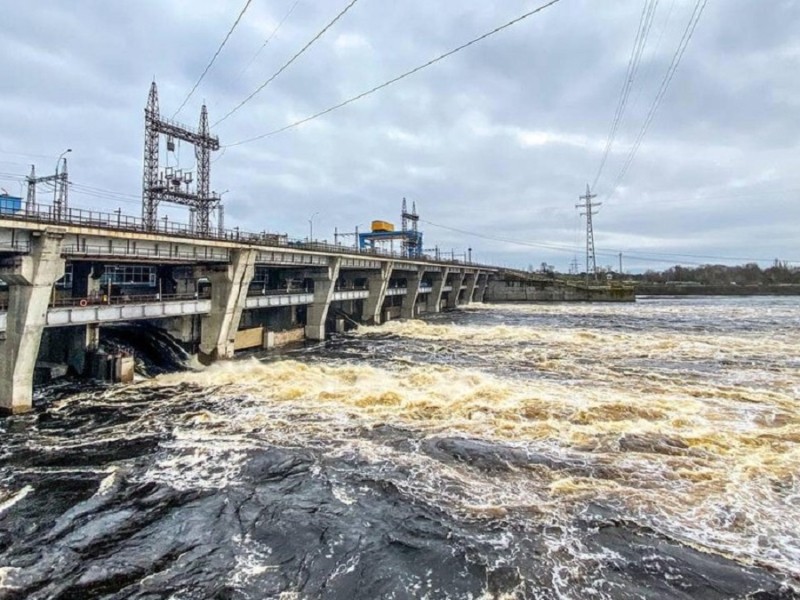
(14, 498)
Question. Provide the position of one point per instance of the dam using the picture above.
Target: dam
(216, 293)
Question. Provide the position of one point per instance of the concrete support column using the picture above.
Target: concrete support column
(378, 283)
(30, 285)
(483, 280)
(181, 328)
(229, 285)
(438, 281)
(407, 310)
(452, 297)
(92, 336)
(317, 312)
(470, 279)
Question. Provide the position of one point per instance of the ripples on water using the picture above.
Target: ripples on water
(509, 451)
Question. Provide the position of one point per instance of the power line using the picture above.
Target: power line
(104, 196)
(213, 58)
(104, 191)
(290, 61)
(638, 255)
(269, 38)
(639, 43)
(396, 79)
(649, 68)
(30, 155)
(662, 90)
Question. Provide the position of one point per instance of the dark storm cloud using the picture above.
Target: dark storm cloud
(499, 139)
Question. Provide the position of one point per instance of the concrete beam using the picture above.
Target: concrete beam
(413, 281)
(438, 281)
(324, 287)
(452, 296)
(229, 285)
(377, 283)
(30, 285)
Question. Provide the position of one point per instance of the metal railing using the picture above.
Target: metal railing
(104, 299)
(117, 221)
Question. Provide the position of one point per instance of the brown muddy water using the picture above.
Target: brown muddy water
(501, 451)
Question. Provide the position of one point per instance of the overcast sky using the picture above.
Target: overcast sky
(498, 140)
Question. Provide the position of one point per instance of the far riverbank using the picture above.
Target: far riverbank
(669, 289)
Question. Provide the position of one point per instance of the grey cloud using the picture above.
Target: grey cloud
(452, 137)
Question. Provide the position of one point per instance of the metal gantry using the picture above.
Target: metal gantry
(61, 184)
(587, 210)
(174, 185)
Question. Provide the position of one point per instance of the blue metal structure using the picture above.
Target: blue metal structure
(10, 204)
(410, 237)
(411, 241)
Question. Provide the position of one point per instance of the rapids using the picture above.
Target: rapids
(502, 451)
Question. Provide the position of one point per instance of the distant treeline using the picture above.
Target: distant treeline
(750, 274)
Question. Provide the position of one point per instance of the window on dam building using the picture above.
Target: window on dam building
(129, 275)
(66, 281)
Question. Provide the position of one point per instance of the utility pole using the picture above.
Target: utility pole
(587, 210)
(30, 201)
(311, 227)
(620, 263)
(573, 266)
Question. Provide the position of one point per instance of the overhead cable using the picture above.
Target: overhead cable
(639, 43)
(640, 255)
(289, 62)
(269, 38)
(396, 79)
(662, 90)
(213, 58)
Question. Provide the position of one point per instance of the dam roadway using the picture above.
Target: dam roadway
(66, 276)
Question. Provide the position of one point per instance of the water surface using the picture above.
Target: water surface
(646, 450)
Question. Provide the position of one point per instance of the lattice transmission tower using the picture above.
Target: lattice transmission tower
(587, 209)
(412, 241)
(175, 185)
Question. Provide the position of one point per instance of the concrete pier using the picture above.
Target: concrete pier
(377, 283)
(438, 281)
(30, 280)
(480, 292)
(229, 286)
(413, 281)
(324, 287)
(456, 280)
(470, 280)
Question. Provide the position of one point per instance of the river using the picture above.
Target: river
(647, 450)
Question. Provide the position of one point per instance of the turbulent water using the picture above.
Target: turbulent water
(503, 451)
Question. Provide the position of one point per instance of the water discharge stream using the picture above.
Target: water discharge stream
(512, 451)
